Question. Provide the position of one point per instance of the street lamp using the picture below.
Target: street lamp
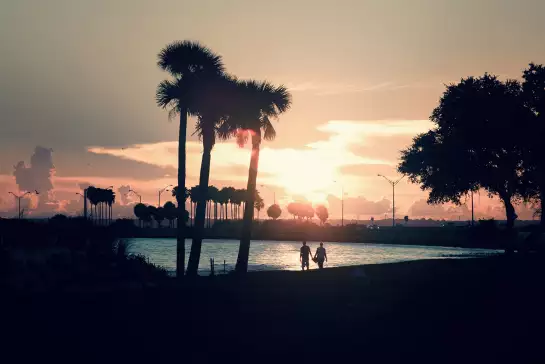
(136, 193)
(393, 183)
(19, 200)
(160, 192)
(274, 193)
(342, 204)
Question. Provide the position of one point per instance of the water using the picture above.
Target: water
(284, 255)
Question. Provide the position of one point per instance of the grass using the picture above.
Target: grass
(473, 310)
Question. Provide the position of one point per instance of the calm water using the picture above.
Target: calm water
(284, 255)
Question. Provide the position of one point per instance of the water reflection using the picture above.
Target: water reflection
(272, 255)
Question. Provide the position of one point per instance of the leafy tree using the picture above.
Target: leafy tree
(293, 209)
(476, 143)
(190, 65)
(534, 96)
(169, 212)
(159, 216)
(140, 212)
(322, 213)
(274, 211)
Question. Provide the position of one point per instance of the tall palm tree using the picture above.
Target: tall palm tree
(258, 103)
(213, 194)
(211, 123)
(259, 203)
(189, 64)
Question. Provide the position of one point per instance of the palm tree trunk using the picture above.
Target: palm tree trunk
(180, 231)
(244, 248)
(542, 199)
(196, 245)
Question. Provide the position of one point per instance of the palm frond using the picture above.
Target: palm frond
(182, 57)
(167, 94)
(242, 136)
(268, 129)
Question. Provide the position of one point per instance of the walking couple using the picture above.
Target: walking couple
(319, 257)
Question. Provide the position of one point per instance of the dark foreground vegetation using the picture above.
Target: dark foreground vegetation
(71, 299)
(478, 310)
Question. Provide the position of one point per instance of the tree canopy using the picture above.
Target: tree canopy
(477, 142)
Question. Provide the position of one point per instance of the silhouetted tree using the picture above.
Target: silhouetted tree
(476, 144)
(169, 211)
(214, 112)
(534, 96)
(293, 209)
(259, 203)
(274, 211)
(190, 65)
(322, 213)
(256, 104)
(140, 212)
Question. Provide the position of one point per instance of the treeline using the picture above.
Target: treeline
(489, 134)
(221, 204)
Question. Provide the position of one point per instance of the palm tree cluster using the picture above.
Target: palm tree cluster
(222, 204)
(101, 201)
(224, 107)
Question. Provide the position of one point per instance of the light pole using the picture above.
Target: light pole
(84, 202)
(160, 192)
(393, 183)
(136, 193)
(342, 204)
(19, 201)
(472, 211)
(274, 193)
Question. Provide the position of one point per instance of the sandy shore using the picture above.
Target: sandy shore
(465, 310)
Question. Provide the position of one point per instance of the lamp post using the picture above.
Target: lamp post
(274, 193)
(19, 201)
(342, 204)
(393, 183)
(136, 193)
(160, 192)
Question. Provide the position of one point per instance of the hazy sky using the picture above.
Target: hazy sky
(79, 76)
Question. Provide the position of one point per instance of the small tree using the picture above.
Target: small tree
(274, 211)
(140, 212)
(322, 213)
(169, 212)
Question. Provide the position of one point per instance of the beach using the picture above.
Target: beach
(470, 310)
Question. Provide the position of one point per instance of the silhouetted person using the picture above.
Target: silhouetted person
(320, 256)
(305, 256)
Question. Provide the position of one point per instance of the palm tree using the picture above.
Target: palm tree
(194, 198)
(92, 196)
(223, 200)
(213, 194)
(257, 103)
(229, 194)
(189, 64)
(259, 203)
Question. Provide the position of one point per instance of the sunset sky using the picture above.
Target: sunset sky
(79, 77)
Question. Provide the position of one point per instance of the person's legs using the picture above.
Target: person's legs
(320, 263)
(305, 263)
